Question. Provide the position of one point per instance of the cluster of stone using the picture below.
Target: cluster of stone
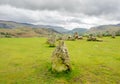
(80, 37)
(60, 58)
(62, 37)
(93, 38)
(70, 38)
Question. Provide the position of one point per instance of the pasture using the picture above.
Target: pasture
(28, 61)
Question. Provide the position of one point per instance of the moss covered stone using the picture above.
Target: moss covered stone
(60, 58)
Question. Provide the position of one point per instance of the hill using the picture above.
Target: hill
(12, 24)
(26, 32)
(105, 28)
(56, 28)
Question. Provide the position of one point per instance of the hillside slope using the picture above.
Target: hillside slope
(26, 32)
(105, 28)
(12, 24)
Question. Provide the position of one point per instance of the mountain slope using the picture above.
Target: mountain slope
(105, 28)
(57, 28)
(12, 24)
(27, 32)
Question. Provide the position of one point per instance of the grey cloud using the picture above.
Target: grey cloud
(61, 12)
(30, 16)
(14, 14)
(88, 7)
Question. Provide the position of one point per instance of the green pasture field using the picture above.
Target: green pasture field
(28, 61)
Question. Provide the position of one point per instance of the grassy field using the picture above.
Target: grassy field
(28, 61)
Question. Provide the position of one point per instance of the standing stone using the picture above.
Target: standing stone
(51, 41)
(113, 34)
(99, 35)
(60, 58)
(76, 35)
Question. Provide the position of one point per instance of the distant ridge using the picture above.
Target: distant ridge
(15, 29)
(105, 28)
(12, 24)
(58, 29)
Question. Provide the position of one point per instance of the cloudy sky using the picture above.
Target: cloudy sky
(66, 13)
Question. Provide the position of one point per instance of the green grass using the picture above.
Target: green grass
(28, 61)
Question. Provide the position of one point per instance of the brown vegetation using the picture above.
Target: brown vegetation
(26, 32)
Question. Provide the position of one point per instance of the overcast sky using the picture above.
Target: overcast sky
(66, 13)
